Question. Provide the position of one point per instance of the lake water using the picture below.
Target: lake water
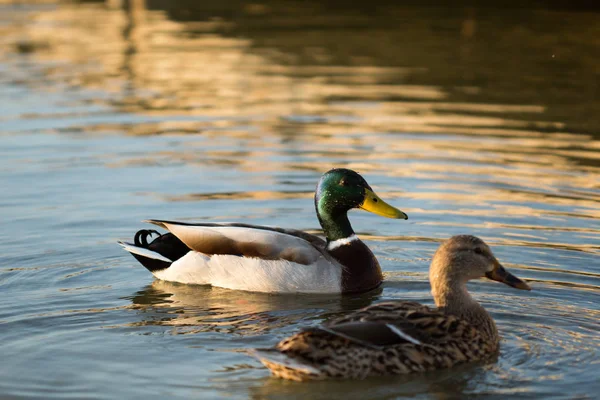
(471, 120)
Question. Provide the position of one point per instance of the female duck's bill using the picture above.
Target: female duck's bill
(403, 337)
(270, 259)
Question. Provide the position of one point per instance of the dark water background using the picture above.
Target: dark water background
(472, 119)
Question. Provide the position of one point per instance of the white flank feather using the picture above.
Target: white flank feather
(254, 274)
(275, 357)
(403, 335)
(341, 242)
(190, 269)
(140, 251)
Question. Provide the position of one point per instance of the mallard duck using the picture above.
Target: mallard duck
(403, 337)
(268, 259)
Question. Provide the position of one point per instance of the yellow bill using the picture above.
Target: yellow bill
(374, 204)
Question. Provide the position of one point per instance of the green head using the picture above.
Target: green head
(340, 190)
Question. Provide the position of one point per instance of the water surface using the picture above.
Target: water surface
(472, 120)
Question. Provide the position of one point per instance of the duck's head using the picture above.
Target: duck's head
(465, 257)
(340, 190)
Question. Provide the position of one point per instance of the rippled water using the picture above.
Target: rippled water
(472, 120)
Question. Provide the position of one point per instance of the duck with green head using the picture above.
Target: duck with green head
(270, 259)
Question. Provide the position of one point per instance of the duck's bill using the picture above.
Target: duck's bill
(374, 204)
(502, 275)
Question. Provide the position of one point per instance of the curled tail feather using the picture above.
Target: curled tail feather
(141, 237)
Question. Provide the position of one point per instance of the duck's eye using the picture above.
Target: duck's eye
(343, 182)
(478, 250)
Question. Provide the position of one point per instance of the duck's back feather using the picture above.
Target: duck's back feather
(374, 334)
(248, 241)
(427, 325)
(315, 240)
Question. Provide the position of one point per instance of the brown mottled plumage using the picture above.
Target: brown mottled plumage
(403, 337)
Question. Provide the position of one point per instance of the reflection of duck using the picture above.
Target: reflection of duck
(403, 337)
(212, 309)
(266, 259)
(441, 384)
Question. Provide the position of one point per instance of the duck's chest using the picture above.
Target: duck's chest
(361, 271)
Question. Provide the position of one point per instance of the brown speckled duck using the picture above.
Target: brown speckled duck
(403, 337)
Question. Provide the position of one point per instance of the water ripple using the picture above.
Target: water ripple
(116, 112)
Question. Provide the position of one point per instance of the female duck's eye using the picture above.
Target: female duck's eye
(478, 250)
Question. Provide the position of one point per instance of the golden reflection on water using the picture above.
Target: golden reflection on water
(207, 65)
(231, 76)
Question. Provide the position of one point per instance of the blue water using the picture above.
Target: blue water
(471, 120)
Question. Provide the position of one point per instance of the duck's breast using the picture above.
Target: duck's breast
(361, 270)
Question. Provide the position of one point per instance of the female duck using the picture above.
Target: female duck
(403, 337)
(268, 259)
